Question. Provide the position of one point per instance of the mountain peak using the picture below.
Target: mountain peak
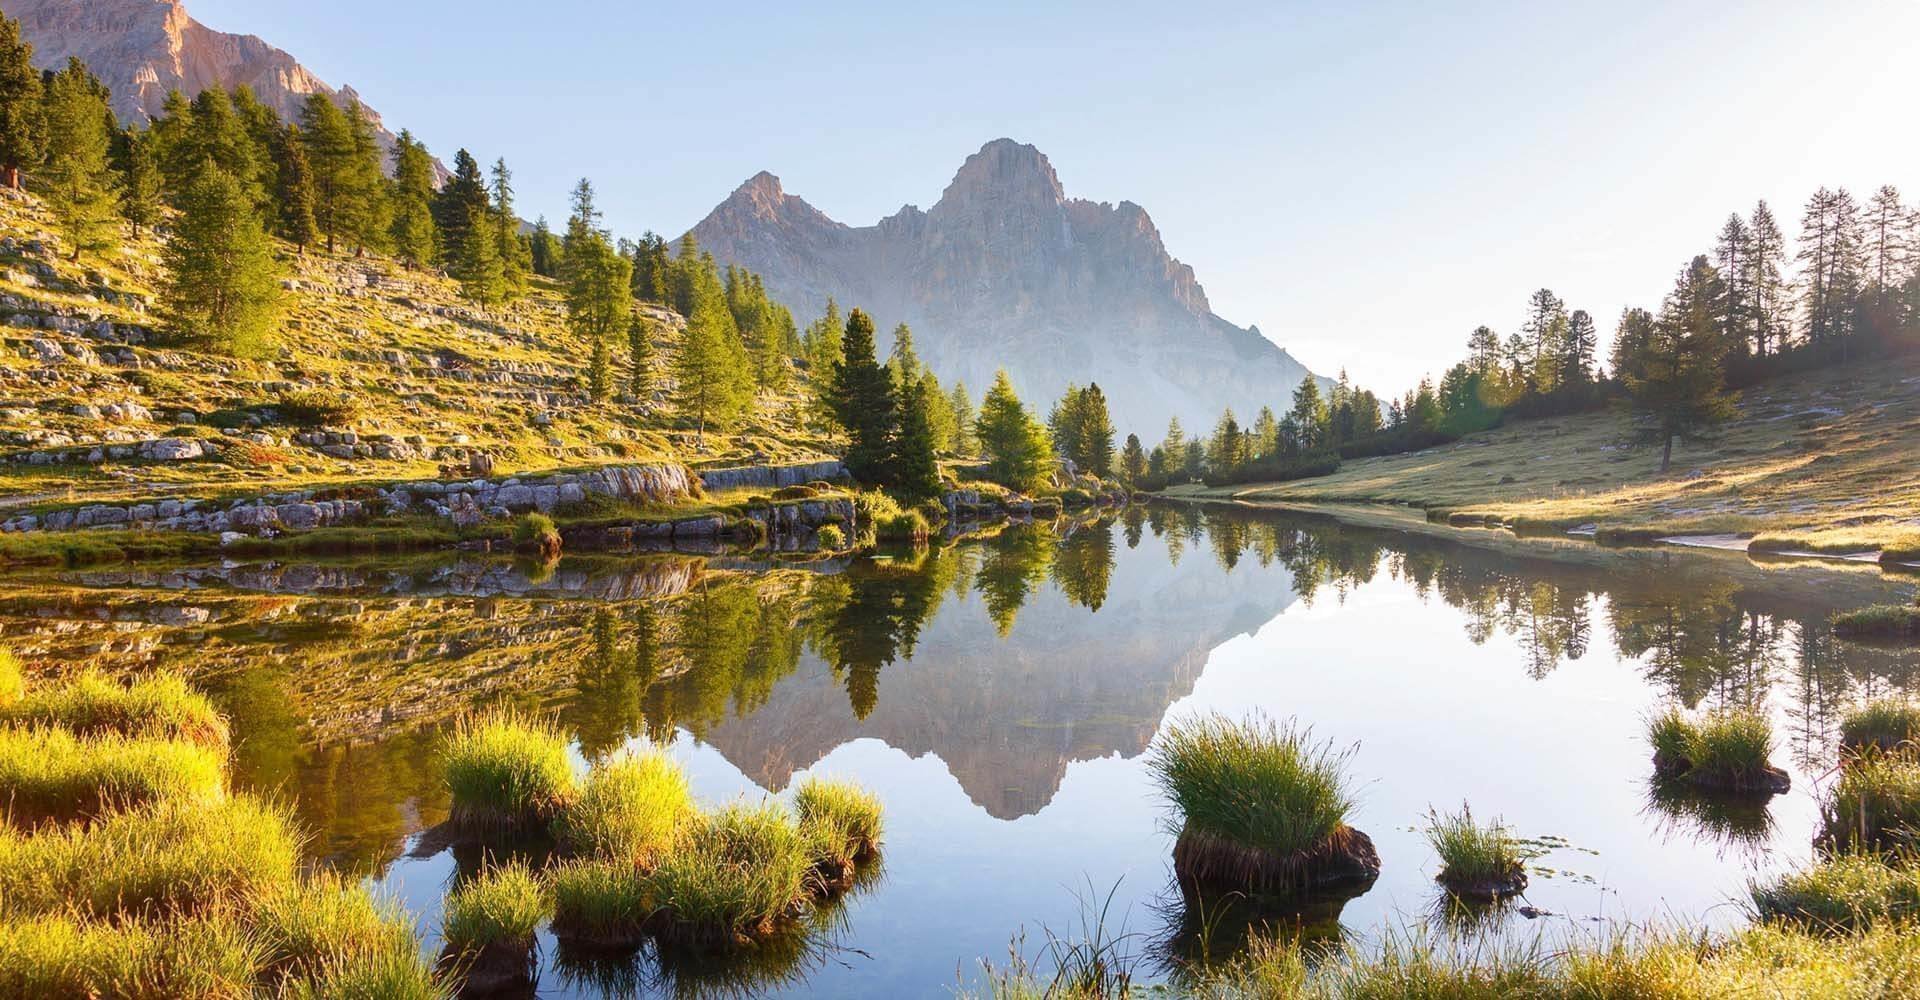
(1003, 171)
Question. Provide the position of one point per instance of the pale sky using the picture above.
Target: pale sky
(1366, 186)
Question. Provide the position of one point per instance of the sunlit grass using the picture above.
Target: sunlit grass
(844, 808)
(739, 872)
(1475, 858)
(1879, 621)
(630, 808)
(1260, 783)
(55, 956)
(1726, 748)
(504, 905)
(91, 704)
(1875, 806)
(1848, 892)
(311, 928)
(1883, 724)
(600, 903)
(507, 773)
(50, 774)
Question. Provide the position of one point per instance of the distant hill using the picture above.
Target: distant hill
(143, 49)
(1006, 270)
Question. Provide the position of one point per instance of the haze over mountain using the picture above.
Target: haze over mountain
(1006, 271)
(143, 49)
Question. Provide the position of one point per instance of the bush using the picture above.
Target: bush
(906, 526)
(50, 774)
(158, 707)
(535, 534)
(630, 809)
(507, 774)
(796, 493)
(316, 407)
(1726, 749)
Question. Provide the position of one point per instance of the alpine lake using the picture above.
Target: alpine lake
(999, 692)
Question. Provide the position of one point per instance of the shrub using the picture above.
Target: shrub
(1849, 892)
(50, 774)
(1884, 724)
(317, 407)
(1726, 749)
(874, 507)
(738, 874)
(1880, 621)
(1875, 806)
(831, 538)
(51, 956)
(796, 493)
(169, 858)
(630, 809)
(507, 774)
(1476, 860)
(157, 707)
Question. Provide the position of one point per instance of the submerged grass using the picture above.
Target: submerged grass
(1726, 749)
(630, 808)
(507, 773)
(1261, 783)
(1476, 859)
(158, 707)
(1875, 806)
(1885, 724)
(49, 774)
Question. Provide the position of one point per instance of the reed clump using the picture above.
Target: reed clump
(1263, 807)
(1874, 806)
(1477, 860)
(841, 824)
(1725, 750)
(1848, 892)
(630, 808)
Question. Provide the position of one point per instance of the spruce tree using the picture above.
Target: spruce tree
(960, 410)
(516, 253)
(139, 181)
(640, 358)
(77, 179)
(1133, 459)
(862, 401)
(460, 201)
(414, 240)
(545, 250)
(22, 116)
(1095, 431)
(296, 195)
(713, 386)
(1676, 378)
(1767, 287)
(1063, 425)
(223, 284)
(914, 474)
(1578, 349)
(1015, 445)
(1545, 331)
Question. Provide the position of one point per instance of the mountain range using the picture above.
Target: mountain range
(144, 49)
(1006, 271)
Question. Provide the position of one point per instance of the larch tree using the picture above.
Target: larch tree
(23, 120)
(599, 370)
(77, 179)
(140, 181)
(475, 263)
(713, 384)
(1676, 379)
(1578, 350)
(1095, 429)
(1545, 330)
(223, 284)
(639, 357)
(414, 233)
(1731, 253)
(1016, 448)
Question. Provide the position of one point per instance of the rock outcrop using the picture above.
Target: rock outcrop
(1006, 270)
(142, 49)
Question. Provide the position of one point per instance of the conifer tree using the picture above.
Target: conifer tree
(476, 265)
(516, 253)
(223, 286)
(545, 250)
(455, 206)
(863, 403)
(1133, 459)
(414, 239)
(1675, 378)
(1577, 350)
(1266, 435)
(1094, 427)
(713, 386)
(1175, 443)
(372, 212)
(1545, 330)
(960, 411)
(261, 125)
(296, 195)
(1063, 424)
(1226, 451)
(640, 357)
(328, 140)
(903, 362)
(77, 179)
(1731, 254)
(1309, 415)
(140, 181)
(22, 116)
(599, 370)
(914, 473)
(1768, 290)
(1016, 448)
(214, 132)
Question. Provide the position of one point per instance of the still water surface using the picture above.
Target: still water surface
(998, 696)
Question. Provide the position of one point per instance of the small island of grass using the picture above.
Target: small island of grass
(1477, 861)
(1726, 750)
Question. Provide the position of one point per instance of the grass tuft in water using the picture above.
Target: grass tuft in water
(49, 956)
(1880, 621)
(1848, 892)
(505, 904)
(312, 927)
(1260, 783)
(92, 704)
(831, 808)
(1727, 749)
(630, 808)
(507, 774)
(1884, 724)
(739, 874)
(599, 904)
(51, 775)
(1479, 860)
(1875, 806)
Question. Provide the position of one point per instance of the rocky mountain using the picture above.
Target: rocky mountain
(143, 49)
(1006, 270)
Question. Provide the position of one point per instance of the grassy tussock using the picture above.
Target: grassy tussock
(1875, 806)
(166, 859)
(1727, 748)
(312, 927)
(13, 680)
(1476, 859)
(1260, 783)
(92, 704)
(599, 903)
(739, 873)
(630, 808)
(1885, 724)
(387, 975)
(505, 905)
(507, 773)
(1849, 892)
(51, 775)
(49, 956)
(842, 809)
(1879, 621)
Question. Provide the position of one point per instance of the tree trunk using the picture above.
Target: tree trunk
(1666, 455)
(13, 177)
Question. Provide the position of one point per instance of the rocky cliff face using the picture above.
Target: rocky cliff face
(1006, 270)
(143, 49)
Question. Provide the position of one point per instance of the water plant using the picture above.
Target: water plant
(630, 808)
(162, 706)
(1264, 807)
(1883, 724)
(599, 904)
(1875, 806)
(488, 926)
(1846, 892)
(841, 824)
(1479, 861)
(49, 774)
(508, 774)
(1727, 750)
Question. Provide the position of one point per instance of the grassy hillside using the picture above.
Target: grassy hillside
(431, 376)
(1823, 462)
